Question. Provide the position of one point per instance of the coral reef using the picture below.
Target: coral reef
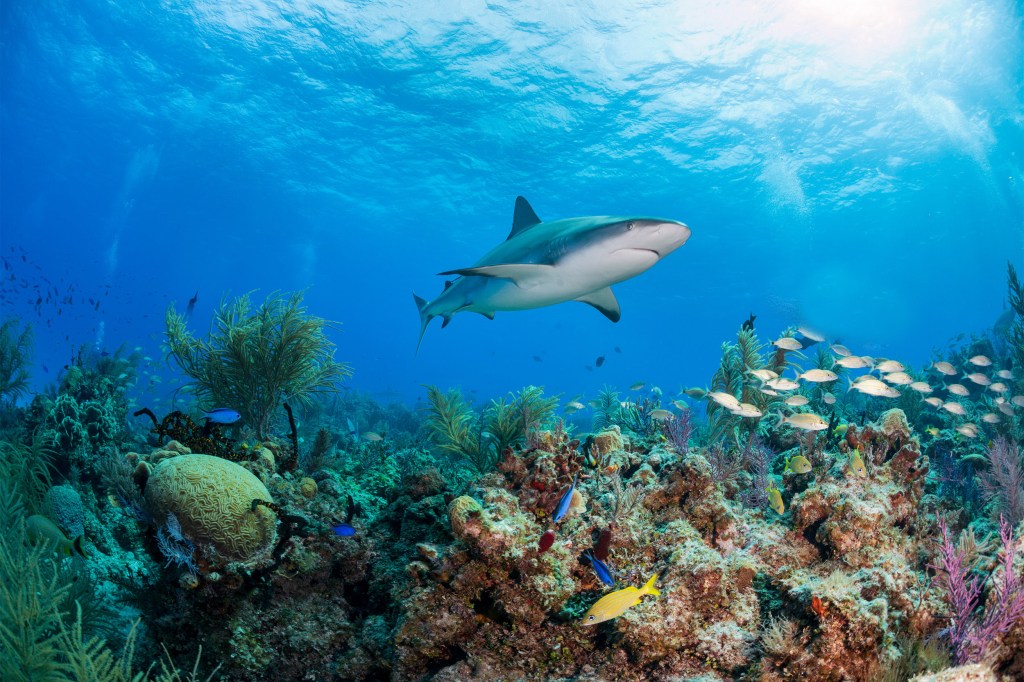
(863, 537)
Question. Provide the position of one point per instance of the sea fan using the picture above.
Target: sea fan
(1003, 482)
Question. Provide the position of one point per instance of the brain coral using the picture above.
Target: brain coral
(212, 500)
(63, 505)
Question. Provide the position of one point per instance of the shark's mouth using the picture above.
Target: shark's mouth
(656, 254)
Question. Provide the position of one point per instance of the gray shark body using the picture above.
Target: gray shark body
(544, 263)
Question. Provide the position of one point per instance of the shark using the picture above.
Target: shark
(546, 263)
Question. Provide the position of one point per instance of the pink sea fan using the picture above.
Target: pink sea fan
(1003, 482)
(972, 634)
(678, 430)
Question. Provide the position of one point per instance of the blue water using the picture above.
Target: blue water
(856, 169)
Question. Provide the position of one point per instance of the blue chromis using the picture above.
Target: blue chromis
(604, 573)
(42, 530)
(343, 529)
(223, 415)
(798, 465)
(857, 464)
(616, 603)
(775, 499)
(563, 504)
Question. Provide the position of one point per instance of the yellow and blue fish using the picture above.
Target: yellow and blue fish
(857, 464)
(616, 603)
(43, 531)
(775, 499)
(798, 465)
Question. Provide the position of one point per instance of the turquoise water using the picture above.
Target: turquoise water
(857, 170)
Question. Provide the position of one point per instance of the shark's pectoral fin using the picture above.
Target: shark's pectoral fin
(525, 275)
(604, 301)
(447, 319)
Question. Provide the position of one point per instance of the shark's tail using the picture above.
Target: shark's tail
(425, 318)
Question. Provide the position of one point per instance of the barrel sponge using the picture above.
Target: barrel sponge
(212, 500)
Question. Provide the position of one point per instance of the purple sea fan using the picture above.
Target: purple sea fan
(678, 430)
(758, 458)
(1003, 482)
(970, 634)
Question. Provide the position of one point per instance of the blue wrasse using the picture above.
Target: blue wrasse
(222, 415)
(604, 573)
(563, 504)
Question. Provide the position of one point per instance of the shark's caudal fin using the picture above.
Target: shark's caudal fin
(425, 318)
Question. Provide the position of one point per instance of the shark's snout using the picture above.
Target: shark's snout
(667, 236)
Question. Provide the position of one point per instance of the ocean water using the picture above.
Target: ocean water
(854, 169)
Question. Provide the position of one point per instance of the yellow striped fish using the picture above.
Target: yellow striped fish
(616, 603)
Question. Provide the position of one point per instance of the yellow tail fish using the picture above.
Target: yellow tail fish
(616, 603)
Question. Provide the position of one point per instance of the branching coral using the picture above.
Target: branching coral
(26, 468)
(455, 428)
(638, 416)
(257, 358)
(451, 423)
(511, 420)
(733, 377)
(15, 352)
(606, 409)
(1016, 334)
(42, 636)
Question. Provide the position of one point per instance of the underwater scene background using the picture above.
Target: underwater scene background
(795, 456)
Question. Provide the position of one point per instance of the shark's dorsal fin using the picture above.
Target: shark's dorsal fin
(604, 301)
(523, 218)
(525, 275)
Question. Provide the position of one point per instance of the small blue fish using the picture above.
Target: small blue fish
(223, 415)
(604, 573)
(563, 504)
(344, 530)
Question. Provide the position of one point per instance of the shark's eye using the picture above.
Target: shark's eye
(629, 226)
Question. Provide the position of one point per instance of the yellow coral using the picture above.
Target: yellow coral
(894, 423)
(607, 441)
(308, 488)
(212, 500)
(466, 517)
